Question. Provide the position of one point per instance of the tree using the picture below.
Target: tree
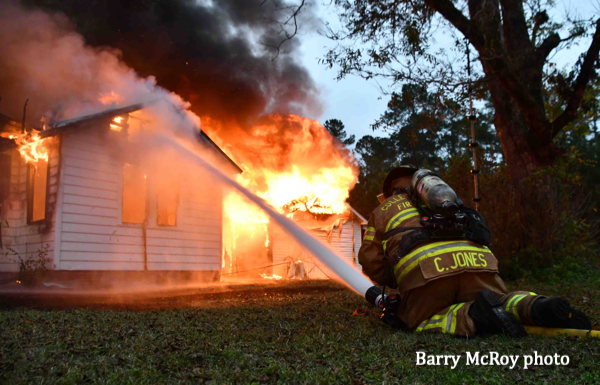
(418, 135)
(429, 132)
(337, 129)
(513, 40)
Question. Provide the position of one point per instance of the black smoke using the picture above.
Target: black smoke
(215, 54)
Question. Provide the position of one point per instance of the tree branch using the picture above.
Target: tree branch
(458, 20)
(514, 26)
(539, 19)
(293, 18)
(547, 46)
(585, 74)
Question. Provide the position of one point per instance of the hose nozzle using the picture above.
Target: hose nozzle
(375, 296)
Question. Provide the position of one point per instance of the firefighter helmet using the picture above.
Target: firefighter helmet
(398, 172)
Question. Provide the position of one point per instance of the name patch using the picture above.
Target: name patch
(460, 260)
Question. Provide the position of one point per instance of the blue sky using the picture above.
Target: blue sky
(357, 102)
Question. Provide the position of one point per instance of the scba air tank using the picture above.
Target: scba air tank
(434, 193)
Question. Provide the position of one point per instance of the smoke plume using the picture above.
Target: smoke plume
(215, 54)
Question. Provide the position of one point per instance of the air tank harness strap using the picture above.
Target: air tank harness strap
(408, 241)
(388, 273)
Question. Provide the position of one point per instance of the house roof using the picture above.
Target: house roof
(362, 219)
(107, 116)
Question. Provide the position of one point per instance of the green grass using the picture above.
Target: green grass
(272, 337)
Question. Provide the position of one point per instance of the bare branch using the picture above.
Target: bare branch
(460, 21)
(539, 19)
(282, 24)
(586, 72)
(546, 47)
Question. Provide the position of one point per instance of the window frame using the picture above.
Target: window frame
(30, 193)
(177, 204)
(122, 198)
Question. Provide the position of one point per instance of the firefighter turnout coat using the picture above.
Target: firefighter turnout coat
(426, 261)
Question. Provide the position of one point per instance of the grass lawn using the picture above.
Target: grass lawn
(270, 336)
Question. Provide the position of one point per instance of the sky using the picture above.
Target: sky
(357, 102)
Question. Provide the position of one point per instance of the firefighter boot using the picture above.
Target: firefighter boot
(558, 313)
(489, 316)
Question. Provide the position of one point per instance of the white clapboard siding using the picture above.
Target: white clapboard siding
(20, 239)
(357, 242)
(195, 243)
(93, 236)
(285, 248)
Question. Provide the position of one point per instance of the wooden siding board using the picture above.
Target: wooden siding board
(184, 266)
(80, 256)
(89, 183)
(107, 248)
(101, 238)
(73, 154)
(178, 258)
(89, 210)
(100, 265)
(100, 176)
(91, 192)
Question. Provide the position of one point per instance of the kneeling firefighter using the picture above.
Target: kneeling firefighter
(424, 242)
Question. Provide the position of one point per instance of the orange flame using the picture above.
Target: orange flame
(117, 127)
(111, 98)
(274, 276)
(290, 161)
(31, 146)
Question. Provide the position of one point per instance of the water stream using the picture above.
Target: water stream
(344, 270)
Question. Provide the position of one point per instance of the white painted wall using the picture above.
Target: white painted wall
(92, 235)
(18, 236)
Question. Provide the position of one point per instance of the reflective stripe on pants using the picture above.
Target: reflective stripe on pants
(444, 320)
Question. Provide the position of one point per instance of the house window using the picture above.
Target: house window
(167, 200)
(134, 194)
(37, 183)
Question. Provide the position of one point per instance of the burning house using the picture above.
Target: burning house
(86, 195)
(299, 168)
(89, 194)
(83, 194)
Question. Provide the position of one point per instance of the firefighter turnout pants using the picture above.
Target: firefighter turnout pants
(442, 305)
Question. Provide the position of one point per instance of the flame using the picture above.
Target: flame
(117, 127)
(110, 98)
(274, 276)
(31, 146)
(240, 211)
(294, 164)
(322, 192)
(290, 161)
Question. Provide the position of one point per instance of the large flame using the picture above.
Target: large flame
(290, 161)
(295, 165)
(31, 146)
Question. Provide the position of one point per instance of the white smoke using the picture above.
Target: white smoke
(43, 59)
